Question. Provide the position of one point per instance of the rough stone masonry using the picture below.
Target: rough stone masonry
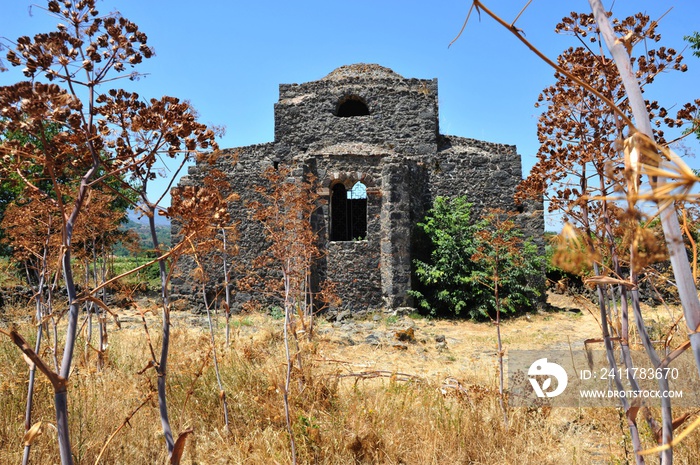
(371, 138)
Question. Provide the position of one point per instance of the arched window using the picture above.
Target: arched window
(352, 106)
(348, 213)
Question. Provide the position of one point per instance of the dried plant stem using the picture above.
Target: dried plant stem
(88, 318)
(38, 297)
(288, 355)
(222, 392)
(601, 290)
(30, 397)
(669, 220)
(666, 414)
(148, 338)
(100, 275)
(61, 396)
(610, 353)
(227, 286)
(693, 244)
(393, 375)
(309, 293)
(161, 367)
(501, 369)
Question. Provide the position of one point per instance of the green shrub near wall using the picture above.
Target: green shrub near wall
(453, 283)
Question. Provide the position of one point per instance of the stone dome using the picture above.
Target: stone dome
(363, 71)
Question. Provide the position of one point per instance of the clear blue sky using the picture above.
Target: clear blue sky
(228, 57)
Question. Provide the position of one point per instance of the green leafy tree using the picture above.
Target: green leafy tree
(694, 40)
(11, 185)
(449, 231)
(456, 278)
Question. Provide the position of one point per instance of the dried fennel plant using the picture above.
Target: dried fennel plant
(671, 181)
(33, 232)
(498, 247)
(285, 211)
(203, 217)
(77, 142)
(586, 171)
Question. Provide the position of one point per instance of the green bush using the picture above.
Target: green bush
(457, 276)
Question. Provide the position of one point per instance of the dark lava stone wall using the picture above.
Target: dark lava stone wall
(403, 115)
(354, 266)
(244, 167)
(487, 174)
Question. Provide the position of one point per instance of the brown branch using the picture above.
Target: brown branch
(674, 355)
(58, 382)
(100, 304)
(154, 359)
(393, 375)
(138, 268)
(693, 244)
(480, 6)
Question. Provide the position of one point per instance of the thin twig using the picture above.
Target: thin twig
(394, 375)
(521, 12)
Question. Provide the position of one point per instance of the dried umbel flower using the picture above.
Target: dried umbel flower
(644, 156)
(72, 142)
(578, 132)
(573, 251)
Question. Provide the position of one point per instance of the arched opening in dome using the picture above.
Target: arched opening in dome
(352, 106)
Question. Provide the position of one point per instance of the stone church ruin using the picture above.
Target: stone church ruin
(371, 139)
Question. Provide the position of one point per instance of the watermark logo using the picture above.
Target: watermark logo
(551, 370)
(585, 377)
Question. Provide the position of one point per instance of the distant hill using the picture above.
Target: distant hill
(140, 226)
(142, 219)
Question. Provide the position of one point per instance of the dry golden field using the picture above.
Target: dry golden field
(361, 397)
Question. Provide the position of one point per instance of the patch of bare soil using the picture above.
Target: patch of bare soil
(453, 348)
(456, 348)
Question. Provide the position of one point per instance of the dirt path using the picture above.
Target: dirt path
(459, 349)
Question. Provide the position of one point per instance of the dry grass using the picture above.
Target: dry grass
(337, 420)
